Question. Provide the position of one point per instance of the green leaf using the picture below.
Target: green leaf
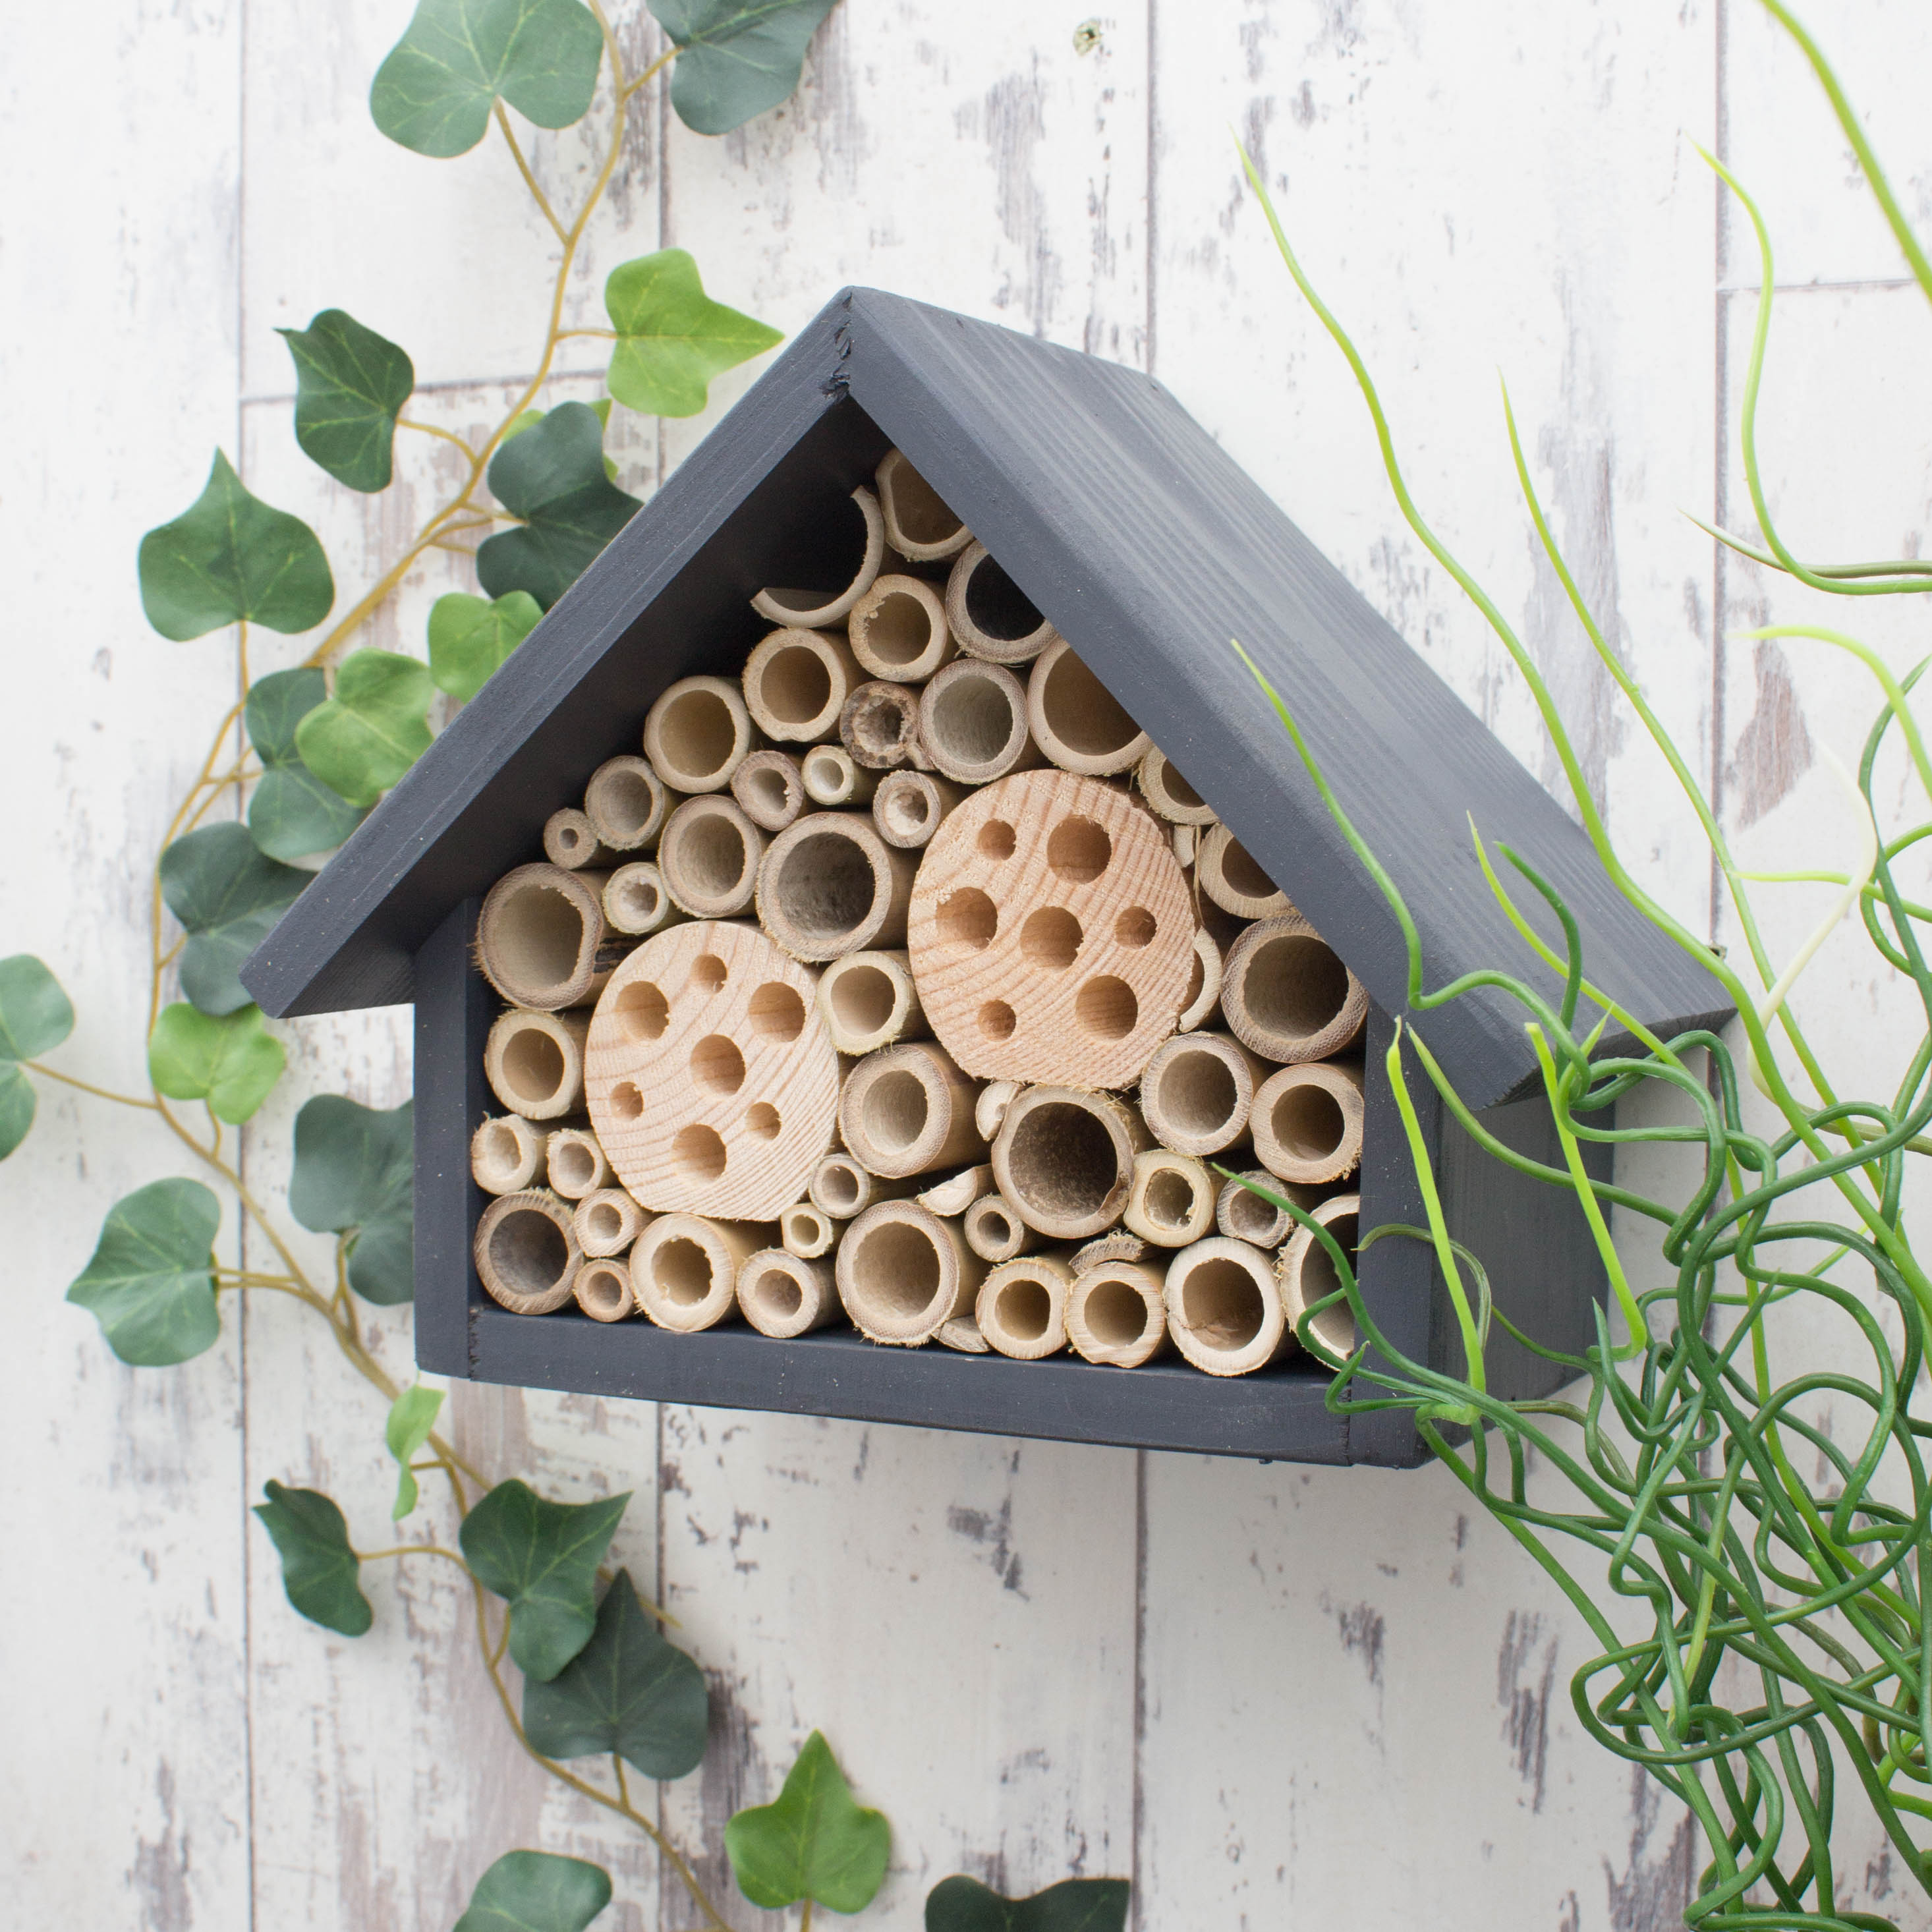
(232, 557)
(292, 813)
(411, 1416)
(17, 1107)
(319, 1568)
(355, 1175)
(1075, 1905)
(536, 1891)
(151, 1284)
(434, 92)
(628, 1691)
(553, 477)
(736, 58)
(813, 1843)
(232, 1063)
(672, 338)
(35, 1016)
(373, 729)
(470, 636)
(542, 1558)
(228, 896)
(350, 386)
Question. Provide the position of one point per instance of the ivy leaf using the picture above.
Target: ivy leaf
(355, 1175)
(232, 1063)
(319, 1569)
(17, 1103)
(150, 1283)
(629, 1691)
(292, 813)
(542, 1558)
(35, 1016)
(373, 729)
(815, 1842)
(228, 897)
(672, 338)
(470, 636)
(552, 476)
(411, 1416)
(736, 58)
(963, 1904)
(232, 557)
(434, 92)
(350, 386)
(536, 1891)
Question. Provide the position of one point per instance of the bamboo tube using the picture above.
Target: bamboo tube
(635, 902)
(995, 1230)
(1308, 1122)
(1203, 983)
(1245, 1216)
(526, 1256)
(626, 803)
(575, 1163)
(812, 608)
(902, 1272)
(973, 722)
(957, 1192)
(1171, 1202)
(908, 806)
(1307, 1274)
(880, 725)
(962, 1333)
(571, 841)
(769, 790)
(897, 630)
(806, 1231)
(918, 525)
(1075, 720)
(1065, 1159)
(1020, 1309)
(1185, 841)
(541, 940)
(841, 1188)
(1223, 1307)
(831, 779)
(606, 1223)
(782, 1293)
(534, 1062)
(1169, 793)
(684, 1269)
(1117, 1314)
(1117, 1244)
(1199, 1090)
(989, 615)
(1286, 995)
(709, 857)
(506, 1154)
(602, 1289)
(795, 684)
(1232, 880)
(907, 1110)
(830, 885)
(990, 1109)
(868, 1000)
(697, 733)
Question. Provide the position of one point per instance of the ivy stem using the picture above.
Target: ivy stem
(87, 1087)
(413, 1549)
(537, 194)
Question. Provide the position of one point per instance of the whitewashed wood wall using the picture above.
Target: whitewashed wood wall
(1275, 1697)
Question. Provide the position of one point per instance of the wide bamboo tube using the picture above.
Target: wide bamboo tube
(534, 1062)
(1169, 793)
(697, 733)
(526, 1256)
(902, 1271)
(1224, 1308)
(1203, 983)
(1245, 1215)
(1117, 1314)
(868, 1000)
(1233, 880)
(506, 1154)
(880, 725)
(769, 790)
(919, 526)
(1287, 995)
(1075, 720)
(607, 1221)
(541, 939)
(995, 1230)
(1171, 1201)
(1065, 1159)
(1020, 1308)
(908, 806)
(973, 723)
(602, 1289)
(708, 858)
(575, 1164)
(830, 885)
(635, 902)
(962, 1333)
(782, 1293)
(626, 803)
(897, 630)
(990, 616)
(832, 779)
(1117, 1244)
(684, 1269)
(842, 1188)
(571, 841)
(1307, 1123)
(1197, 1091)
(796, 685)
(907, 1110)
(812, 608)
(1307, 1275)
(957, 1192)
(806, 1231)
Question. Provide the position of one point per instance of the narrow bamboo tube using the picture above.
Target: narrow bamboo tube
(962, 1333)
(832, 779)
(830, 885)
(902, 1272)
(606, 1223)
(1117, 1244)
(635, 902)
(897, 630)
(1020, 1308)
(1065, 1159)
(795, 684)
(919, 526)
(1075, 720)
(989, 615)
(541, 940)
(1244, 1215)
(907, 807)
(973, 722)
(684, 1269)
(602, 1289)
(811, 608)
(571, 841)
(534, 1062)
(1286, 994)
(1197, 1091)
(1185, 840)
(806, 1231)
(995, 1231)
(1117, 1314)
(1307, 1275)
(769, 790)
(708, 858)
(575, 1162)
(1224, 1308)
(841, 1188)
(1170, 794)
(506, 1154)
(1171, 1201)
(782, 1293)
(1308, 1122)
(1203, 984)
(869, 1001)
(697, 733)
(1232, 880)
(880, 725)
(990, 1109)
(957, 1192)
(526, 1256)
(626, 803)
(907, 1110)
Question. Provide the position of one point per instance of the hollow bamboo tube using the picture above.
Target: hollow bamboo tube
(806, 1231)
(832, 779)
(957, 1192)
(1244, 1214)
(1171, 1202)
(907, 807)
(907, 1110)
(1117, 1244)
(697, 733)
(626, 803)
(1307, 1275)
(1224, 1308)
(602, 1289)
(571, 841)
(841, 1188)
(1307, 1123)
(541, 940)
(796, 685)
(1186, 840)
(1287, 996)
(990, 1109)
(919, 526)
(684, 1269)
(962, 1333)
(897, 630)
(989, 615)
(1117, 1314)
(709, 857)
(1197, 1091)
(534, 1062)
(813, 607)
(879, 726)
(1233, 880)
(868, 1000)
(635, 902)
(769, 790)
(1170, 794)
(607, 1221)
(1075, 720)
(902, 1272)
(973, 722)
(1065, 1159)
(830, 885)
(1203, 983)
(1020, 1308)
(575, 1162)
(506, 1154)
(526, 1256)
(995, 1230)
(782, 1293)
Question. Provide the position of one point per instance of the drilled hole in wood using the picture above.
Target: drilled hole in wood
(1024, 1309)
(1050, 938)
(967, 917)
(529, 1252)
(1295, 985)
(777, 1011)
(998, 606)
(1135, 928)
(533, 1068)
(761, 1119)
(682, 1270)
(626, 1102)
(998, 1020)
(1222, 1303)
(698, 1152)
(996, 839)
(897, 1268)
(1106, 1007)
(1078, 850)
(642, 1010)
(708, 974)
(862, 998)
(717, 1066)
(895, 1111)
(1116, 1315)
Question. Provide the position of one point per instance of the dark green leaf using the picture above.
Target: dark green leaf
(17, 1107)
(319, 1568)
(434, 92)
(374, 727)
(411, 1416)
(542, 1558)
(672, 338)
(736, 58)
(35, 1016)
(1075, 1905)
(350, 386)
(228, 896)
(628, 1691)
(536, 1891)
(355, 1175)
(470, 636)
(232, 557)
(151, 1284)
(815, 1842)
(292, 813)
(553, 477)
(232, 1063)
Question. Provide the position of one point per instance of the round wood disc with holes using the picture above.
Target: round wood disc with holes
(709, 1073)
(1050, 934)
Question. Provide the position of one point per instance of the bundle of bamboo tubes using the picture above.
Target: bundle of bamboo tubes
(903, 982)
